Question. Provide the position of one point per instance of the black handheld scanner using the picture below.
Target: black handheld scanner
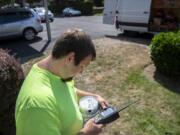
(110, 114)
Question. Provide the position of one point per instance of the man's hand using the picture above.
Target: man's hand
(104, 104)
(90, 128)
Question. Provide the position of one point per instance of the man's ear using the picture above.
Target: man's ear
(70, 57)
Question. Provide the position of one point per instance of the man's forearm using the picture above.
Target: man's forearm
(82, 93)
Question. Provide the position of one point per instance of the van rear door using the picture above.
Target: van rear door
(109, 11)
(134, 14)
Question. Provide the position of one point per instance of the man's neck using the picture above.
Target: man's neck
(52, 66)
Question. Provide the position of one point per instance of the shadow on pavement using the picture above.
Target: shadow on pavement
(22, 49)
(170, 84)
(143, 38)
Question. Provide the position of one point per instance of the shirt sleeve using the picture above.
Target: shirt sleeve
(38, 121)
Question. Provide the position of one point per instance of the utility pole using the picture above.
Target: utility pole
(23, 3)
(47, 20)
(12, 2)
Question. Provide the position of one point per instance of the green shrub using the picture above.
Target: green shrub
(11, 76)
(85, 7)
(4, 2)
(97, 10)
(56, 8)
(98, 3)
(165, 53)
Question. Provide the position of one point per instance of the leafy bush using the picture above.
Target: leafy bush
(4, 2)
(98, 3)
(97, 10)
(85, 7)
(56, 8)
(11, 76)
(165, 53)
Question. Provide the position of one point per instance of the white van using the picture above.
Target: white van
(143, 15)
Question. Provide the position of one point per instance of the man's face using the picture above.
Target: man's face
(73, 70)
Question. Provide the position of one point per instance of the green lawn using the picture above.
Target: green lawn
(158, 111)
(118, 75)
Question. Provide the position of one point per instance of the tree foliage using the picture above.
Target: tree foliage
(4, 2)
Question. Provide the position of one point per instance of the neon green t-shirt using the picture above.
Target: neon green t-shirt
(47, 106)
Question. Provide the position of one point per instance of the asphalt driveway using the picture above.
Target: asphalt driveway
(28, 49)
(93, 25)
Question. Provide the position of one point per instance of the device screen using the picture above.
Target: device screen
(107, 112)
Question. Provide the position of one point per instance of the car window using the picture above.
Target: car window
(25, 15)
(1, 18)
(15, 16)
(10, 17)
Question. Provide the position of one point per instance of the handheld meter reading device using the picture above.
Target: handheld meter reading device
(109, 115)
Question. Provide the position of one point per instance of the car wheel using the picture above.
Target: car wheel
(29, 34)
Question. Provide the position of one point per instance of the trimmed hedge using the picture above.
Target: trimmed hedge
(165, 53)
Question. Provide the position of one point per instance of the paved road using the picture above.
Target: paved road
(93, 25)
(26, 50)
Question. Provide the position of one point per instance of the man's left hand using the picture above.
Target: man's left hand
(104, 104)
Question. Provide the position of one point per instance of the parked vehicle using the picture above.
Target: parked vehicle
(16, 22)
(41, 12)
(143, 15)
(70, 11)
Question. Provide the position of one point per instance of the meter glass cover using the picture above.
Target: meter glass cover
(107, 112)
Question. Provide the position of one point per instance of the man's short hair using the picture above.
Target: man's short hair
(76, 41)
(11, 78)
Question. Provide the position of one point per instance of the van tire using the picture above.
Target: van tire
(117, 24)
(29, 34)
(131, 33)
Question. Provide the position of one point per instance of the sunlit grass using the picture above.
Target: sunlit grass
(117, 75)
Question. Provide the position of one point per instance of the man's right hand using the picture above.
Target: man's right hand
(91, 128)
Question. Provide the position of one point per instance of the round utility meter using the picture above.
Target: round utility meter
(89, 106)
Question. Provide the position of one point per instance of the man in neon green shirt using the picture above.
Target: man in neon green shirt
(48, 101)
